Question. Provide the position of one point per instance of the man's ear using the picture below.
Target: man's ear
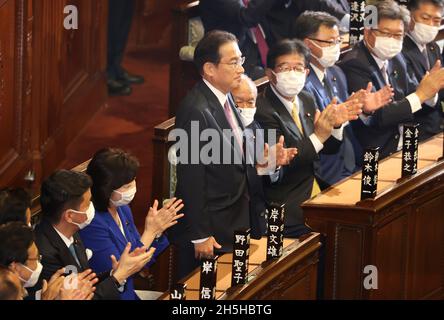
(307, 42)
(307, 72)
(271, 77)
(208, 69)
(14, 267)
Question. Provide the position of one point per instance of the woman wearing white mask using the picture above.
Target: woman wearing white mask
(113, 172)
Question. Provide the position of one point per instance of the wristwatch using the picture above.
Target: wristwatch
(120, 287)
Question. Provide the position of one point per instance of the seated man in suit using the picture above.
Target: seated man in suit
(421, 53)
(15, 205)
(245, 19)
(293, 113)
(19, 253)
(245, 96)
(320, 33)
(213, 182)
(67, 208)
(378, 59)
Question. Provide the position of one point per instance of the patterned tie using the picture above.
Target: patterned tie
(230, 118)
(260, 40)
(295, 114)
(426, 56)
(384, 73)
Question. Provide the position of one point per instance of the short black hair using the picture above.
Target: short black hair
(207, 49)
(8, 289)
(308, 24)
(110, 169)
(285, 47)
(414, 4)
(13, 205)
(15, 240)
(63, 190)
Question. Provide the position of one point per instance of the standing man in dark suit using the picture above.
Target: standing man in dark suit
(120, 17)
(67, 208)
(244, 19)
(378, 59)
(320, 33)
(293, 113)
(213, 184)
(421, 53)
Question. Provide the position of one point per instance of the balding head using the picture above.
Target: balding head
(246, 93)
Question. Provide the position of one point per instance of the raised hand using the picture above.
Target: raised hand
(130, 264)
(205, 250)
(348, 111)
(157, 221)
(51, 289)
(324, 122)
(277, 155)
(373, 101)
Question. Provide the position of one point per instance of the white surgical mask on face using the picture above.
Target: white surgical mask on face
(32, 281)
(423, 33)
(386, 48)
(247, 115)
(126, 197)
(330, 55)
(90, 213)
(290, 83)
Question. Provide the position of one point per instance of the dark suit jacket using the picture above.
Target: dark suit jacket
(255, 137)
(297, 182)
(360, 68)
(56, 255)
(234, 17)
(215, 195)
(283, 17)
(429, 118)
(342, 164)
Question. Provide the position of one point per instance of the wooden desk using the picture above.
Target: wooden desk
(293, 276)
(401, 231)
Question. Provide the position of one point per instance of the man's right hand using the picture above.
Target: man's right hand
(432, 82)
(205, 250)
(324, 122)
(130, 263)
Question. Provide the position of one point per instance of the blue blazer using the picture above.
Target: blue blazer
(334, 167)
(104, 238)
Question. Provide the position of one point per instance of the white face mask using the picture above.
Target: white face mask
(90, 213)
(126, 197)
(330, 55)
(423, 33)
(290, 83)
(32, 281)
(247, 115)
(386, 48)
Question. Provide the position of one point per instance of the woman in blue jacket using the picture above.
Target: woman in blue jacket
(113, 172)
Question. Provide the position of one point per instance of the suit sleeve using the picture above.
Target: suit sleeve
(391, 114)
(192, 178)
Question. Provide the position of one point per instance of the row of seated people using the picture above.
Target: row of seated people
(327, 111)
(91, 210)
(259, 24)
(86, 245)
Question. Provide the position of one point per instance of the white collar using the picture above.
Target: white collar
(67, 241)
(219, 94)
(287, 104)
(421, 47)
(320, 74)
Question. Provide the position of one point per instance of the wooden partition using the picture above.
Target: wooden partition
(51, 83)
(400, 232)
(291, 277)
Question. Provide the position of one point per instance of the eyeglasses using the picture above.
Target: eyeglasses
(330, 42)
(287, 68)
(238, 63)
(246, 104)
(397, 36)
(39, 258)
